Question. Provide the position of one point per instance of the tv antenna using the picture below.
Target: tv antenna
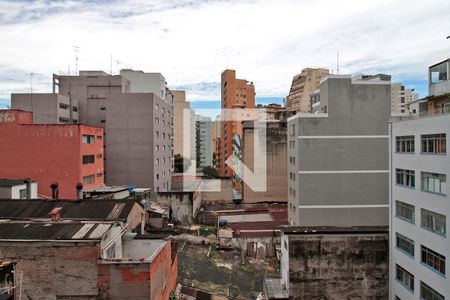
(337, 63)
(76, 49)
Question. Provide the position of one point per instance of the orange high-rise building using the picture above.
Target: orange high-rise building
(235, 94)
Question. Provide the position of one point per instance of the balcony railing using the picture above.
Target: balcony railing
(441, 110)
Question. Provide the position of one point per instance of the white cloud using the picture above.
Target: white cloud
(192, 42)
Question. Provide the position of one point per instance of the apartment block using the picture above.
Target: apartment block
(338, 162)
(50, 153)
(420, 206)
(132, 155)
(183, 136)
(303, 85)
(401, 97)
(203, 141)
(235, 94)
(47, 108)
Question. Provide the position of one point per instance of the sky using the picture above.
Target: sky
(191, 41)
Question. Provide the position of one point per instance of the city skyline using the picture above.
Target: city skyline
(266, 43)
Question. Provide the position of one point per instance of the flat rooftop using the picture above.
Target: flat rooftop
(306, 230)
(11, 182)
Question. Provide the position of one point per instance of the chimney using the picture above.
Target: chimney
(28, 187)
(56, 214)
(54, 187)
(79, 191)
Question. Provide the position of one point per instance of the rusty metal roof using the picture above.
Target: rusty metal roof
(87, 209)
(52, 230)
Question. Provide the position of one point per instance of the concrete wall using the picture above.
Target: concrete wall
(333, 266)
(142, 82)
(46, 107)
(224, 196)
(340, 160)
(14, 191)
(47, 269)
(181, 205)
(276, 162)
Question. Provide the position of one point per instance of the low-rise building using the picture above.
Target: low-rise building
(18, 189)
(66, 154)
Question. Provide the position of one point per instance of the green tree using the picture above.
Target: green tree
(210, 172)
(181, 163)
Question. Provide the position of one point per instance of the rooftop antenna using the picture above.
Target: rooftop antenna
(337, 63)
(77, 51)
(111, 64)
(31, 89)
(118, 62)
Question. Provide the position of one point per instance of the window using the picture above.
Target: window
(156, 106)
(405, 211)
(102, 121)
(99, 155)
(157, 176)
(63, 106)
(99, 174)
(102, 108)
(23, 194)
(427, 293)
(405, 278)
(438, 72)
(88, 179)
(405, 177)
(434, 183)
(157, 148)
(64, 120)
(74, 108)
(99, 137)
(404, 144)
(405, 244)
(88, 159)
(434, 143)
(88, 139)
(433, 259)
(157, 134)
(156, 120)
(433, 221)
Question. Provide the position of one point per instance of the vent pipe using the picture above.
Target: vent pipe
(79, 188)
(28, 187)
(54, 187)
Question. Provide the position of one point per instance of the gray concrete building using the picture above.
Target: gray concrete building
(47, 108)
(203, 141)
(338, 161)
(138, 126)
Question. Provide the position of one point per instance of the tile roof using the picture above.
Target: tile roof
(87, 209)
(52, 230)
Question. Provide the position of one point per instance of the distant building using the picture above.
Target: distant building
(203, 141)
(303, 85)
(276, 161)
(338, 165)
(182, 126)
(132, 156)
(18, 189)
(401, 97)
(47, 108)
(420, 208)
(235, 94)
(65, 154)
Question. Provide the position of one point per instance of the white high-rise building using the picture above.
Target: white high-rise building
(420, 205)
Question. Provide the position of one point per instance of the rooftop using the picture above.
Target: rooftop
(333, 230)
(87, 209)
(40, 231)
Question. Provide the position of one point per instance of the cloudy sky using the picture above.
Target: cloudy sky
(191, 41)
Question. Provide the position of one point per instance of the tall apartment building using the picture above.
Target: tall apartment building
(303, 85)
(401, 97)
(47, 108)
(182, 126)
(67, 154)
(132, 155)
(338, 166)
(203, 141)
(235, 94)
(420, 207)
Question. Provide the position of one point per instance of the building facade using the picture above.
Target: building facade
(47, 108)
(132, 155)
(203, 141)
(338, 162)
(303, 85)
(420, 206)
(65, 154)
(401, 97)
(18, 189)
(183, 136)
(235, 94)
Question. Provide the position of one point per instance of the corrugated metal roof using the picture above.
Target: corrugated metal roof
(87, 209)
(52, 231)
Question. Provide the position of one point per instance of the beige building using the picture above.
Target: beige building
(401, 97)
(179, 132)
(303, 85)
